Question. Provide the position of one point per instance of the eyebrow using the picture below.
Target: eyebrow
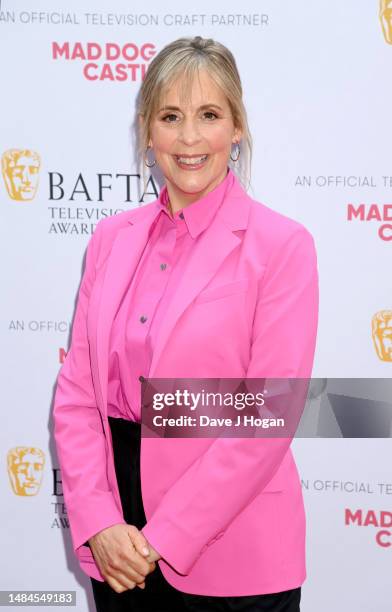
(203, 106)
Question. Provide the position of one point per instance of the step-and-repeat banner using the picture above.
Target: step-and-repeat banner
(317, 87)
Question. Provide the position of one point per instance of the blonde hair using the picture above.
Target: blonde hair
(184, 57)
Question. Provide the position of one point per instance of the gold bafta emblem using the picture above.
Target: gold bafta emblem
(25, 469)
(386, 19)
(20, 169)
(382, 334)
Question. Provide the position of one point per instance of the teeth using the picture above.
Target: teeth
(191, 160)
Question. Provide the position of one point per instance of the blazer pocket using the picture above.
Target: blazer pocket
(215, 293)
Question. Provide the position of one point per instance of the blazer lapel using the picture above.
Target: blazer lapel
(211, 249)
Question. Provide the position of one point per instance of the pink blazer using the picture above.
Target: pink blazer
(227, 514)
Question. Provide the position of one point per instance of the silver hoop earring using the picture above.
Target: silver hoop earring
(237, 144)
(154, 162)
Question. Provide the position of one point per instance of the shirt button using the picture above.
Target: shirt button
(181, 215)
(163, 266)
(143, 319)
(141, 378)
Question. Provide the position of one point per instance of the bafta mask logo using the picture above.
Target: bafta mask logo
(20, 169)
(382, 334)
(25, 469)
(386, 19)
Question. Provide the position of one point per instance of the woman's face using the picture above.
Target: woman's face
(192, 142)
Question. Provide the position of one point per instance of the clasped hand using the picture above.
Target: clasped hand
(123, 556)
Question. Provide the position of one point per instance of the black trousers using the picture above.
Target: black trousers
(159, 595)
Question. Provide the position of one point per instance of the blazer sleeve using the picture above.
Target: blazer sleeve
(191, 515)
(78, 433)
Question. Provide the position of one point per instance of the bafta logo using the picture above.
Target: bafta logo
(20, 169)
(386, 19)
(382, 334)
(25, 469)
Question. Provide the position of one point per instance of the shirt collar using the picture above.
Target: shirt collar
(199, 214)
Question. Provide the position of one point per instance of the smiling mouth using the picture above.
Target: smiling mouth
(191, 162)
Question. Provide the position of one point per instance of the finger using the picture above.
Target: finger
(119, 585)
(133, 558)
(139, 541)
(130, 577)
(139, 563)
(126, 572)
(123, 567)
(127, 577)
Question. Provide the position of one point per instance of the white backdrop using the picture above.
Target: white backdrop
(317, 85)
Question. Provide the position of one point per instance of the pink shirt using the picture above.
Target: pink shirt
(163, 261)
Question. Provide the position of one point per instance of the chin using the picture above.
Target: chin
(193, 187)
(193, 183)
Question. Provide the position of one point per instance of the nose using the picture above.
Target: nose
(189, 131)
(30, 472)
(26, 176)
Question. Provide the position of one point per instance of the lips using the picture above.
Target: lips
(191, 162)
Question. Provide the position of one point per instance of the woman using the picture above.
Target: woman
(202, 282)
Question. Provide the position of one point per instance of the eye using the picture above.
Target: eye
(167, 116)
(211, 113)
